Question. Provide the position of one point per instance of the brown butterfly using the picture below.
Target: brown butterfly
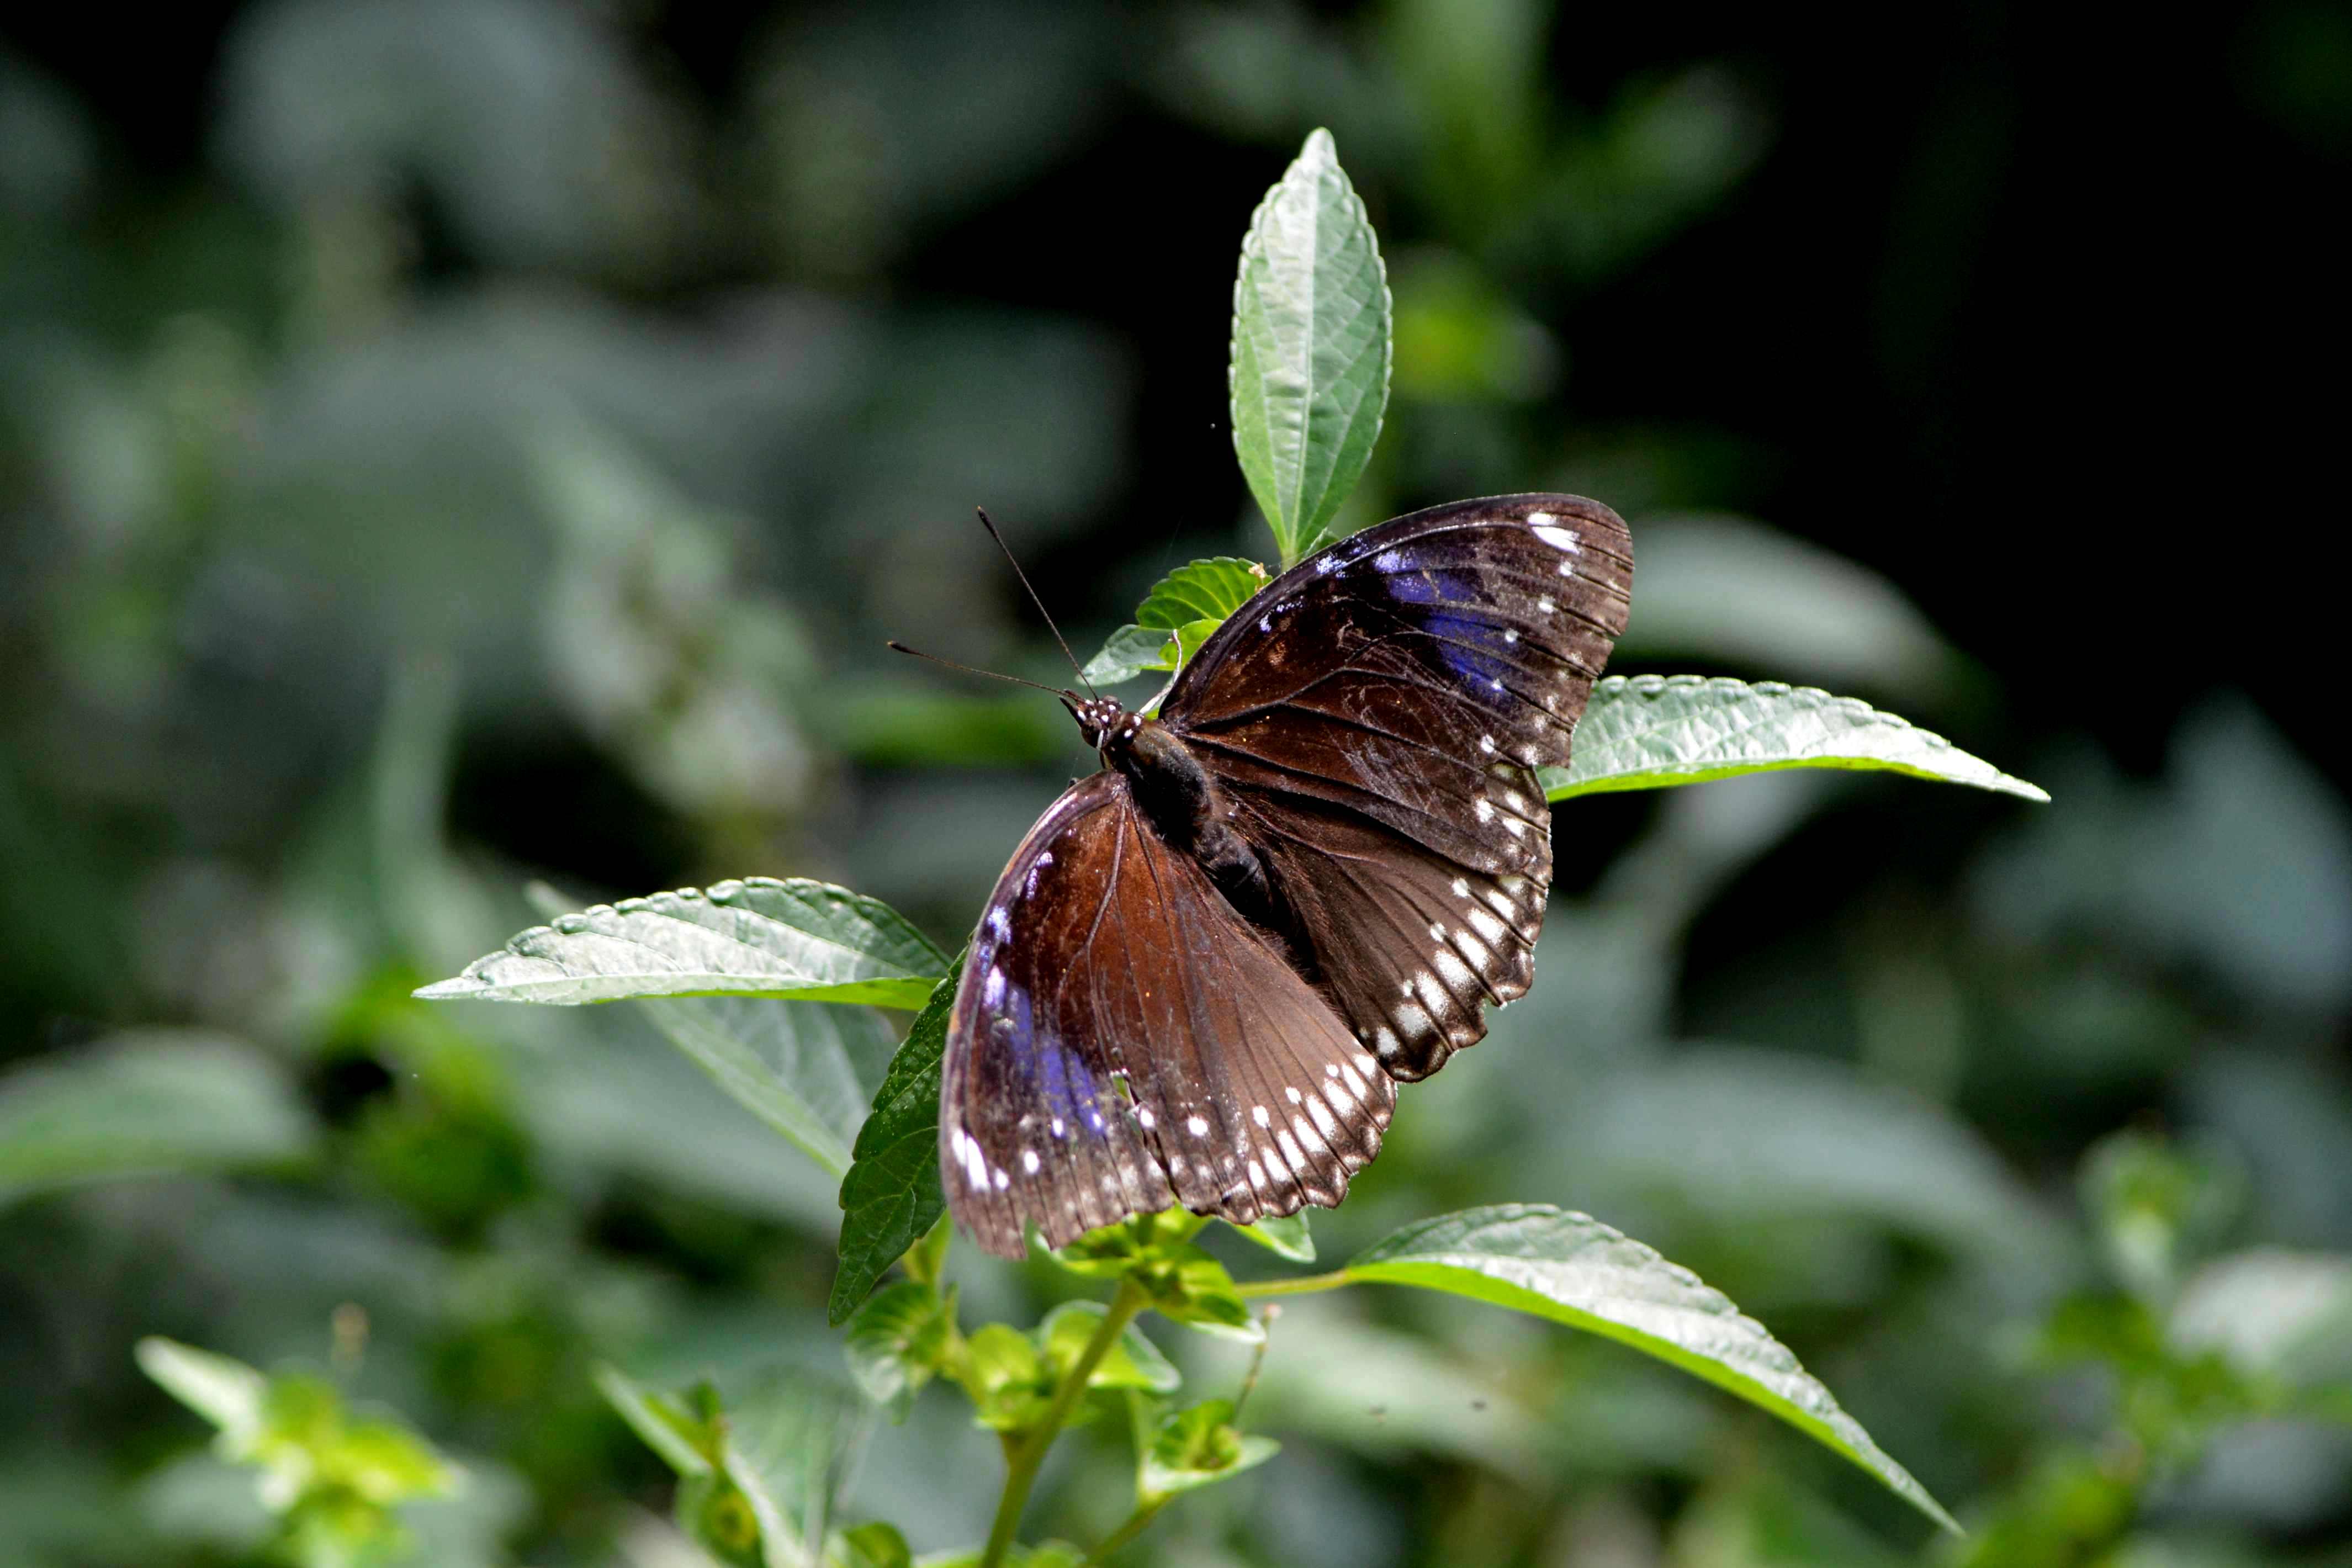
(1208, 966)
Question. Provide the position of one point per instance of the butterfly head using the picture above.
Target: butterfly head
(1102, 720)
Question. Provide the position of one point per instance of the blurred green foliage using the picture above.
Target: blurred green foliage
(448, 445)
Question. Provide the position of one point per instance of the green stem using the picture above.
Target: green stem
(1137, 1522)
(1305, 1284)
(1023, 1460)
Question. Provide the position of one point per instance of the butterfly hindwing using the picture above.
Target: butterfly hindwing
(1123, 1040)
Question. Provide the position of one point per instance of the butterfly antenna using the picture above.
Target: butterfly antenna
(990, 523)
(971, 669)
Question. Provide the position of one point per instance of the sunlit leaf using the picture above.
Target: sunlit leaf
(892, 1195)
(1284, 1235)
(759, 936)
(1309, 376)
(1649, 732)
(1576, 1271)
(151, 1102)
(224, 1391)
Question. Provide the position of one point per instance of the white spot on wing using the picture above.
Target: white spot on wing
(1457, 974)
(1197, 1126)
(1257, 1114)
(1557, 537)
(1029, 1161)
(1411, 1022)
(1484, 810)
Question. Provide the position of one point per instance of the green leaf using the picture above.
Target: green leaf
(1205, 590)
(790, 1439)
(892, 1193)
(1573, 1270)
(663, 1425)
(1284, 1235)
(896, 1342)
(151, 1102)
(1009, 1382)
(791, 1064)
(876, 1545)
(1197, 1447)
(1309, 376)
(1649, 732)
(1131, 651)
(1191, 1287)
(757, 937)
(1133, 1363)
(1188, 603)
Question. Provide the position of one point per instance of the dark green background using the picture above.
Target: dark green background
(443, 445)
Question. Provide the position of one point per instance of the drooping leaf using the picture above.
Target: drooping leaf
(794, 1064)
(1284, 1235)
(759, 936)
(150, 1102)
(1198, 1447)
(1573, 1270)
(1205, 590)
(1310, 375)
(896, 1342)
(892, 1195)
(1649, 732)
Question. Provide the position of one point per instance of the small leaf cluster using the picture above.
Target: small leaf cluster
(2186, 1342)
(333, 1481)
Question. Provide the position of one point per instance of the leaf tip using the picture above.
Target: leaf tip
(1320, 151)
(451, 990)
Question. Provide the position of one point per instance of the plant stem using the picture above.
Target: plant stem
(1022, 1462)
(1300, 1286)
(1136, 1523)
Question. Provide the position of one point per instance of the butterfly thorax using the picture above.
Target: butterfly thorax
(1180, 800)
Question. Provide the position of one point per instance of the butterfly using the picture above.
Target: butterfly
(1208, 966)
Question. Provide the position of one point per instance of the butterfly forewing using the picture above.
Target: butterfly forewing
(1122, 1039)
(1377, 715)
